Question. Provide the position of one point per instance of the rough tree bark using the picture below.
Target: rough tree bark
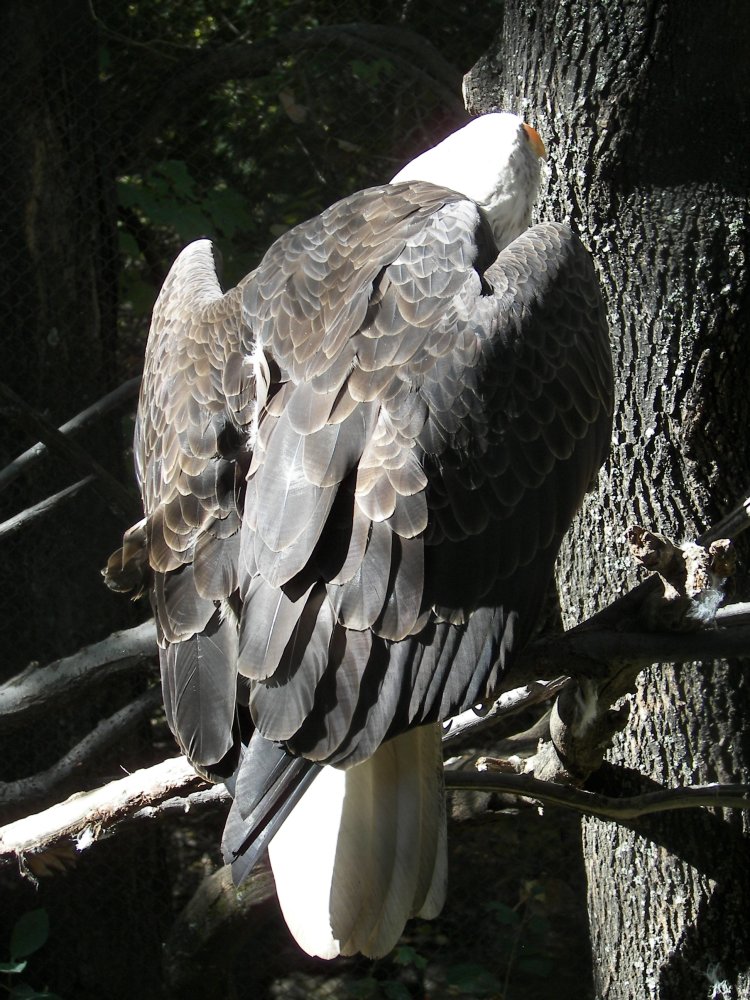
(645, 115)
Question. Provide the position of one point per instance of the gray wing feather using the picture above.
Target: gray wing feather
(426, 430)
(199, 685)
(269, 620)
(191, 451)
(493, 417)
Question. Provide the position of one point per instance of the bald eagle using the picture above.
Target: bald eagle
(357, 467)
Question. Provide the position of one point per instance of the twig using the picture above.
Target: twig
(595, 653)
(509, 703)
(117, 497)
(124, 393)
(194, 804)
(733, 614)
(19, 521)
(87, 816)
(735, 796)
(39, 689)
(730, 526)
(22, 796)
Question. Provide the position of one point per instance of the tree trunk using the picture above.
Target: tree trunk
(645, 115)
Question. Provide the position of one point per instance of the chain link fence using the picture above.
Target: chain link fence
(129, 130)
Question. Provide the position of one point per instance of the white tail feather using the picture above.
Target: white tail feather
(365, 849)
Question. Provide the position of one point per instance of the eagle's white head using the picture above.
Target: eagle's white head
(496, 161)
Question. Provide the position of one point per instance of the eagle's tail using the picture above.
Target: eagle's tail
(365, 849)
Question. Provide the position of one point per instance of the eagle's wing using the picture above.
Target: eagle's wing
(435, 425)
(195, 417)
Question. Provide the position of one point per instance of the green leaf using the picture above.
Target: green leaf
(394, 990)
(12, 968)
(540, 967)
(29, 934)
(472, 979)
(22, 991)
(363, 989)
(406, 955)
(504, 914)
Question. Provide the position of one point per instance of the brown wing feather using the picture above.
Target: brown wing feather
(191, 449)
(492, 417)
(425, 435)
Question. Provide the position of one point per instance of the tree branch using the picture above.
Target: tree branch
(36, 690)
(604, 661)
(123, 394)
(713, 796)
(597, 652)
(151, 793)
(195, 803)
(87, 816)
(117, 498)
(20, 797)
(19, 521)
(476, 721)
(669, 618)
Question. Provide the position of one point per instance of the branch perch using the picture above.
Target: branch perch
(64, 776)
(38, 689)
(26, 461)
(604, 659)
(19, 521)
(87, 816)
(669, 618)
(119, 499)
(151, 793)
(735, 796)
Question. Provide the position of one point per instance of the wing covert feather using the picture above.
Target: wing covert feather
(370, 451)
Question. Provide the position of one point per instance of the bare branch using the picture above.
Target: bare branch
(26, 794)
(603, 659)
(597, 652)
(194, 803)
(692, 797)
(730, 526)
(733, 614)
(150, 793)
(123, 394)
(87, 816)
(19, 521)
(476, 721)
(119, 499)
(37, 689)
(669, 618)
